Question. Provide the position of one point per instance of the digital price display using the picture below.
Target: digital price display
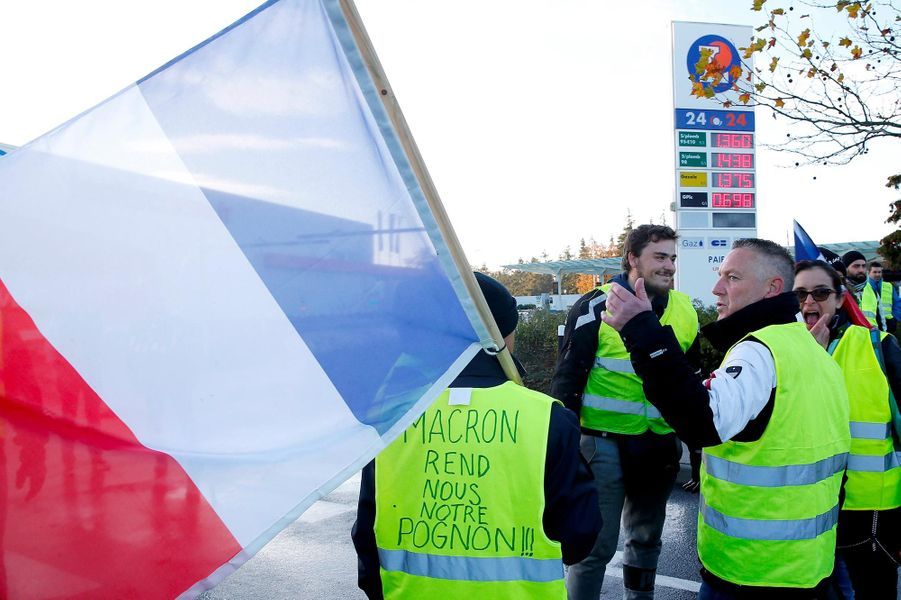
(732, 140)
(732, 199)
(726, 179)
(732, 160)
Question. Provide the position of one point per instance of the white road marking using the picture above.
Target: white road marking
(614, 570)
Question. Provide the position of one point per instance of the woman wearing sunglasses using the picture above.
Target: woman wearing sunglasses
(869, 525)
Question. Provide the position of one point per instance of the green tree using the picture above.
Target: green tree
(890, 245)
(710, 356)
(536, 347)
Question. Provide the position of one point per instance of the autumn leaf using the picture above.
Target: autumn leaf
(708, 92)
(744, 98)
(853, 9)
(727, 104)
(841, 4)
(701, 65)
(778, 11)
(807, 53)
(841, 77)
(856, 52)
(825, 45)
(758, 5)
(761, 28)
(802, 39)
(735, 72)
(846, 42)
(757, 46)
(811, 72)
(779, 103)
(773, 64)
(760, 87)
(833, 67)
(885, 32)
(771, 43)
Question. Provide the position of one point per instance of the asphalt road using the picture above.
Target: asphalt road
(314, 557)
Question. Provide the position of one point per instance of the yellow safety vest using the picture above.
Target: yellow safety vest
(869, 304)
(874, 467)
(613, 399)
(769, 508)
(460, 500)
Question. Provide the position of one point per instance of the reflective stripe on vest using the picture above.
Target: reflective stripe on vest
(874, 464)
(763, 476)
(468, 568)
(769, 530)
(870, 431)
(874, 472)
(613, 399)
(623, 407)
(770, 506)
(617, 365)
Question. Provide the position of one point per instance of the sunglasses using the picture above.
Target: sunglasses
(819, 294)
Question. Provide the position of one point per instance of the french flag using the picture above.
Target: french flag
(221, 293)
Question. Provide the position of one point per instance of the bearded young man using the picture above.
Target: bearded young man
(631, 449)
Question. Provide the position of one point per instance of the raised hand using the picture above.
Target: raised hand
(820, 332)
(622, 304)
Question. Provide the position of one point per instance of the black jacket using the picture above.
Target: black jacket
(571, 514)
(669, 381)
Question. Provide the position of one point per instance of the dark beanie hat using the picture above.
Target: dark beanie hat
(850, 257)
(501, 303)
(833, 259)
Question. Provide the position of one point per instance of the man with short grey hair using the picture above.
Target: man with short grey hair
(773, 421)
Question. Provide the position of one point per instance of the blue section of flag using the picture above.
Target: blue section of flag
(805, 249)
(270, 121)
(383, 333)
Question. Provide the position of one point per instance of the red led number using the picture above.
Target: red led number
(733, 161)
(733, 140)
(733, 180)
(733, 200)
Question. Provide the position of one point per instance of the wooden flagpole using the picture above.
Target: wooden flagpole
(425, 182)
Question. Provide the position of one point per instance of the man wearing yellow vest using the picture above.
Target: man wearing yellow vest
(773, 421)
(633, 452)
(484, 496)
(878, 299)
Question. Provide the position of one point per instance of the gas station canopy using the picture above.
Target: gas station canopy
(613, 266)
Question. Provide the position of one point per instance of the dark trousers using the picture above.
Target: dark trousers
(874, 575)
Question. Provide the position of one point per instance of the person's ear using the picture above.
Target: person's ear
(633, 260)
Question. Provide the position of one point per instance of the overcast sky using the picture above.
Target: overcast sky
(541, 122)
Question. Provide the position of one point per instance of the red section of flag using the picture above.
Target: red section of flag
(853, 311)
(86, 511)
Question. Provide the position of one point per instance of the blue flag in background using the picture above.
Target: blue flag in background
(805, 249)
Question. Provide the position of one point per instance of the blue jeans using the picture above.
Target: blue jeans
(642, 509)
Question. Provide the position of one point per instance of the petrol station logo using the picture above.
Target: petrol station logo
(723, 54)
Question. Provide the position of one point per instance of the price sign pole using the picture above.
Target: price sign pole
(716, 179)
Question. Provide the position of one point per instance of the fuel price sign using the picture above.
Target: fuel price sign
(715, 155)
